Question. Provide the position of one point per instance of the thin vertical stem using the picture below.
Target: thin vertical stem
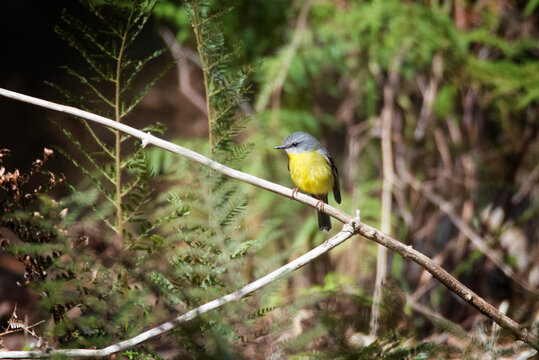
(388, 116)
(407, 252)
(204, 65)
(117, 133)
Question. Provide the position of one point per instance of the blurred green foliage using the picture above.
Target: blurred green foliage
(205, 235)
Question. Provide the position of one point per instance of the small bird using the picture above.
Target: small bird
(313, 171)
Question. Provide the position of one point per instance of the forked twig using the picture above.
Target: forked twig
(347, 232)
(355, 227)
(448, 209)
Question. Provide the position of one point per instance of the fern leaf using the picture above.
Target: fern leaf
(139, 66)
(87, 56)
(144, 91)
(87, 83)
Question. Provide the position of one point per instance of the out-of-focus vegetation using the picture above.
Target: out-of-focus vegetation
(460, 81)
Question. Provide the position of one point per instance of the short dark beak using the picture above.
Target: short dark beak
(280, 147)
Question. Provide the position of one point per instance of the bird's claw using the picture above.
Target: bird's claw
(320, 205)
(294, 192)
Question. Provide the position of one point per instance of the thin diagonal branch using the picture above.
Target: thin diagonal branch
(466, 229)
(184, 77)
(408, 252)
(429, 97)
(347, 232)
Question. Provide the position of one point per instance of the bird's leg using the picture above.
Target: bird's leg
(320, 205)
(294, 192)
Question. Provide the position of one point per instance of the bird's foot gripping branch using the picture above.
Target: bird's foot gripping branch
(352, 227)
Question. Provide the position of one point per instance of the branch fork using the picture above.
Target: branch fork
(352, 226)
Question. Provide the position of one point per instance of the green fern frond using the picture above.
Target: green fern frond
(87, 31)
(166, 287)
(102, 171)
(74, 100)
(102, 70)
(106, 193)
(83, 80)
(232, 211)
(103, 45)
(136, 67)
(142, 10)
(135, 100)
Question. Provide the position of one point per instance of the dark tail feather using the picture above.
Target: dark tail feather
(324, 221)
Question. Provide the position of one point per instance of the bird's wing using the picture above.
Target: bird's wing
(335, 172)
(336, 185)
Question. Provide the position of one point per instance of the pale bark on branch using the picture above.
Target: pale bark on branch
(181, 56)
(347, 232)
(356, 227)
(466, 229)
(388, 115)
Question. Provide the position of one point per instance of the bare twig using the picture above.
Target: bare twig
(388, 115)
(184, 69)
(357, 138)
(527, 185)
(448, 209)
(388, 118)
(17, 325)
(429, 96)
(468, 102)
(466, 215)
(347, 232)
(147, 138)
(25, 328)
(428, 312)
(360, 228)
(443, 148)
(438, 318)
(181, 54)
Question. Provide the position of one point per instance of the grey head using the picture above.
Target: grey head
(299, 142)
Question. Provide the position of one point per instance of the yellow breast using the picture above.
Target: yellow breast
(311, 172)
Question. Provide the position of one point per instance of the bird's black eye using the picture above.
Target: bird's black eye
(294, 144)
